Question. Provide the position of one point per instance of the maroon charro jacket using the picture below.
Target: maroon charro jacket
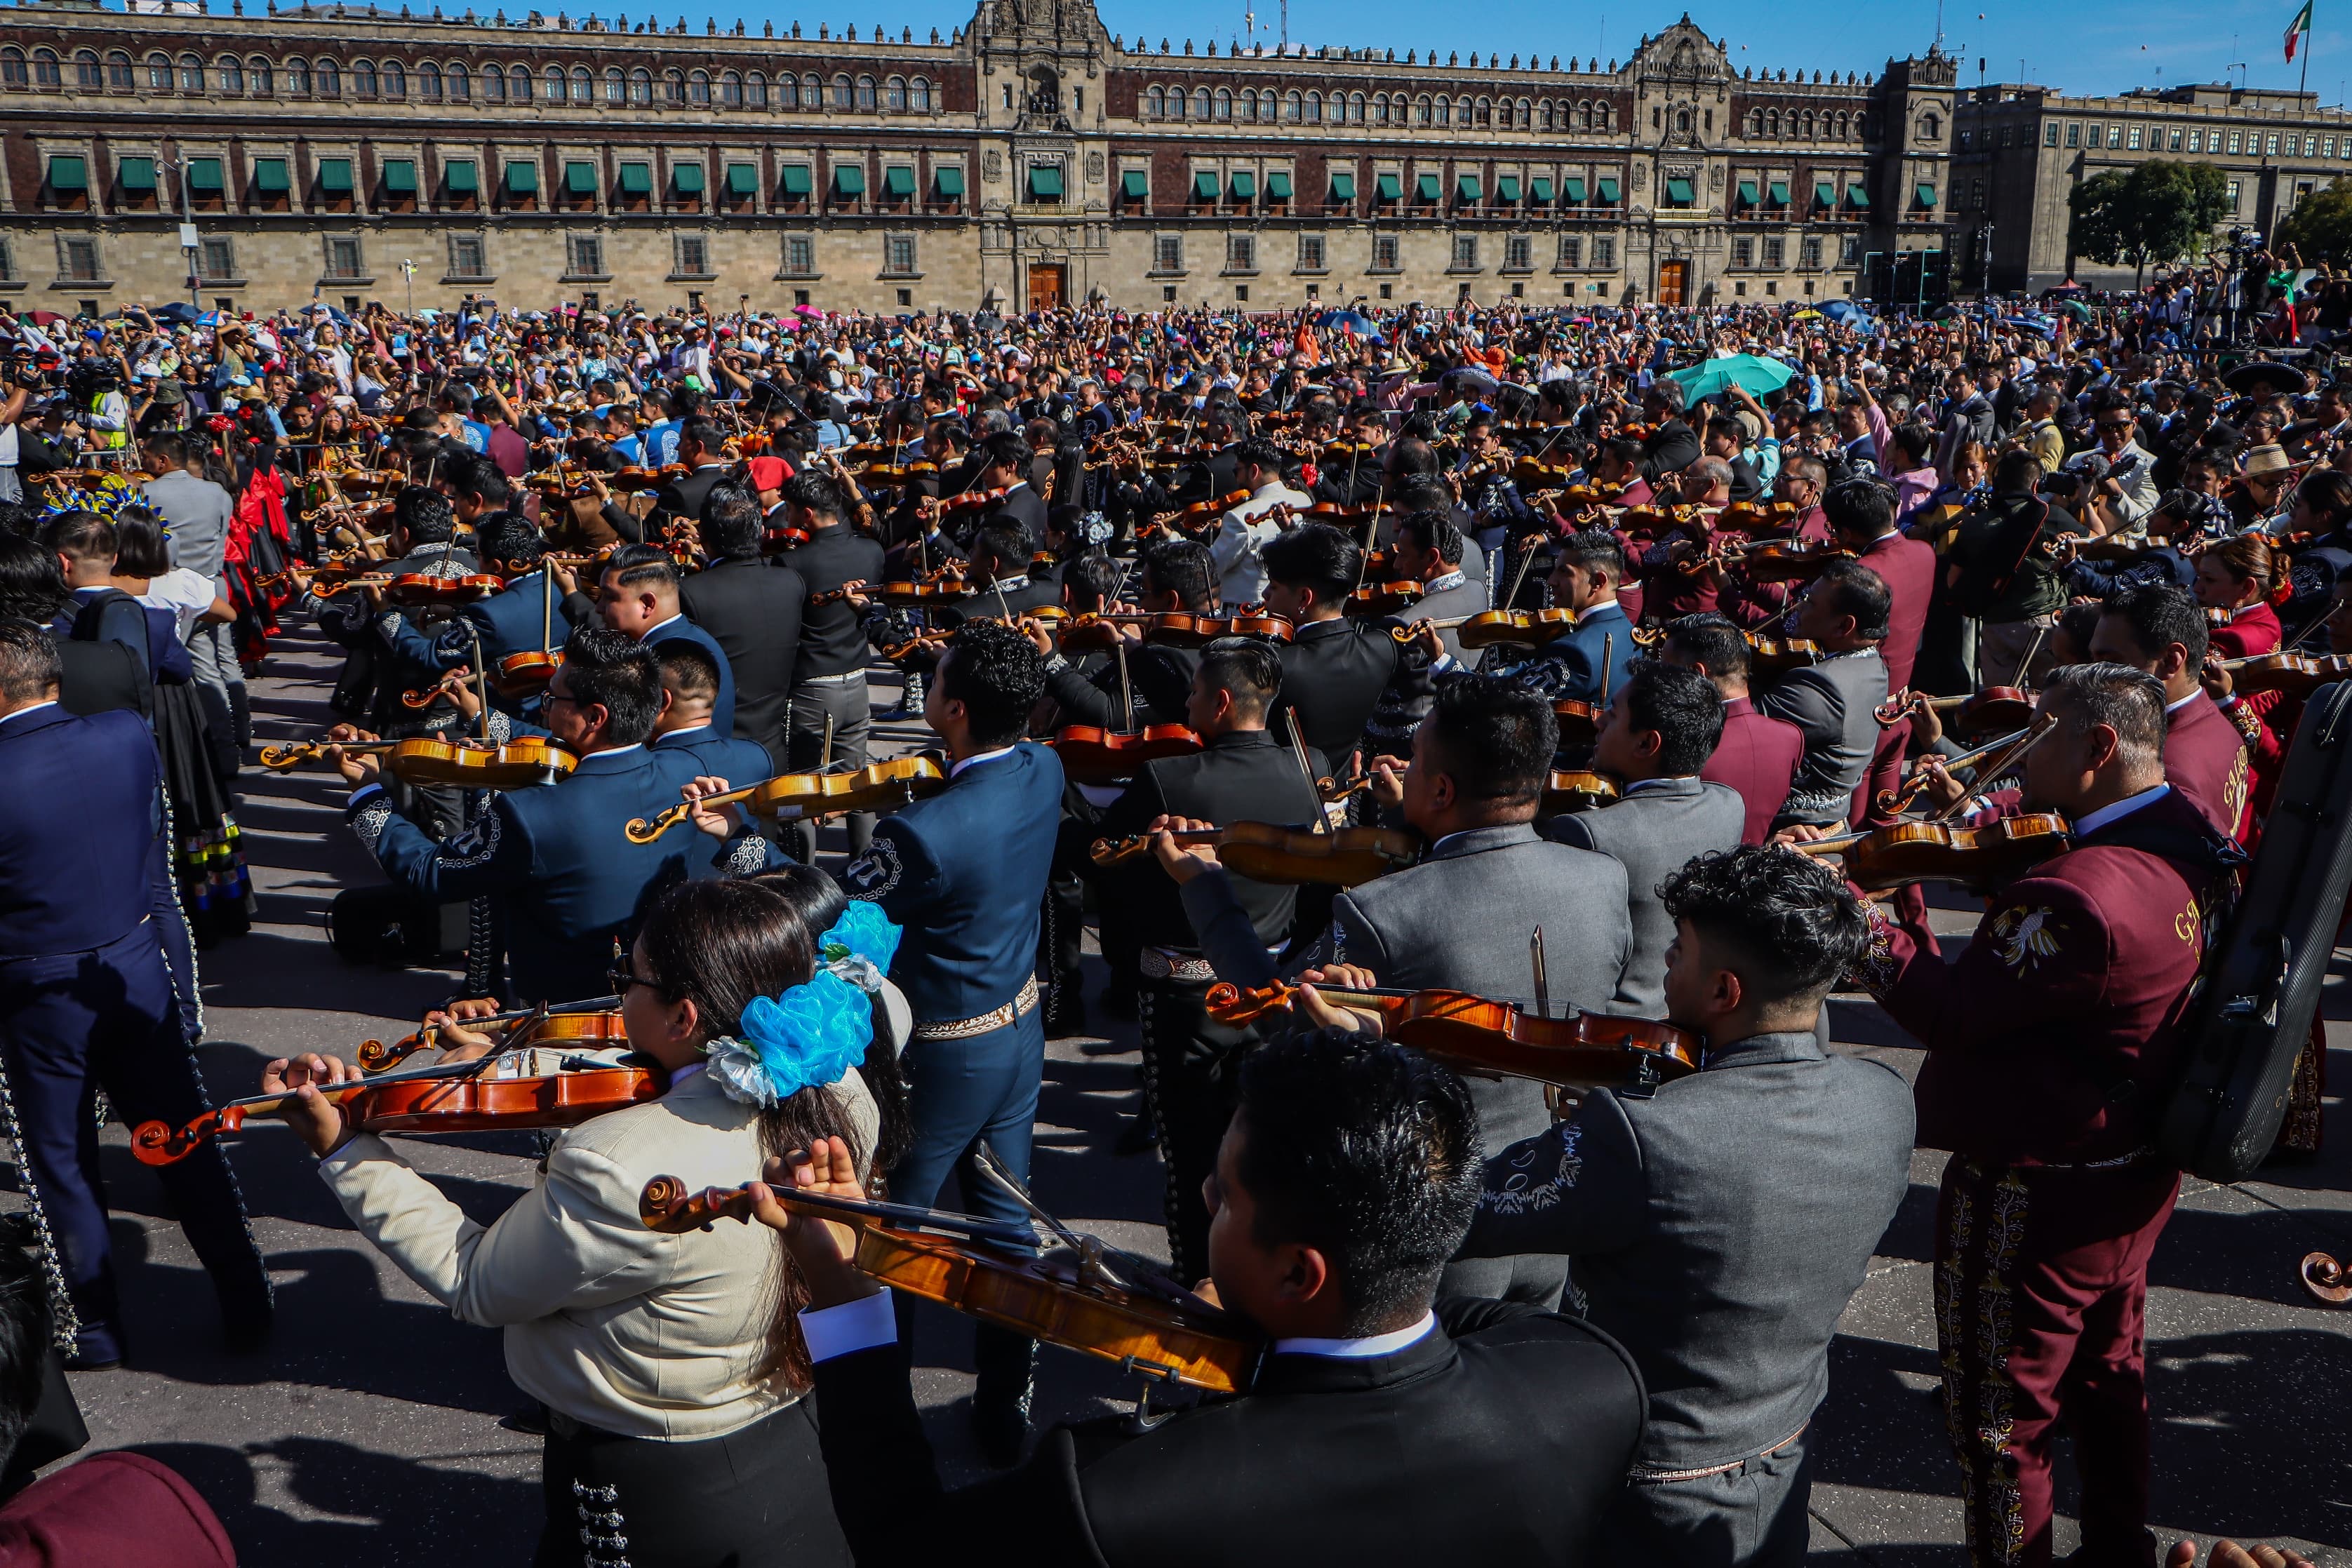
(1908, 567)
(2205, 758)
(1758, 756)
(2049, 1038)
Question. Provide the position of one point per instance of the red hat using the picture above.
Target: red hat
(769, 472)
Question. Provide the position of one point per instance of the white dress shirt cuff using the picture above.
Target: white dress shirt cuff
(853, 1326)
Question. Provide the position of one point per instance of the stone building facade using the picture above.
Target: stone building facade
(2022, 149)
(346, 153)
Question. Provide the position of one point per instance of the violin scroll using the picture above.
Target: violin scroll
(667, 1206)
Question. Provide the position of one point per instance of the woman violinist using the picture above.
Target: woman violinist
(2238, 577)
(672, 1366)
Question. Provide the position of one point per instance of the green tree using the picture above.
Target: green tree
(2157, 211)
(2320, 228)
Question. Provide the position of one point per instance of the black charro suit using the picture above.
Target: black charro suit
(752, 611)
(1501, 1438)
(1333, 673)
(685, 498)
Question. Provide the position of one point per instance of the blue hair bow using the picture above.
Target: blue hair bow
(812, 1033)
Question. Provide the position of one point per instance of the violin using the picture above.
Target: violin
(1263, 852)
(975, 500)
(1904, 853)
(517, 1090)
(639, 481)
(421, 590)
(2296, 674)
(1084, 1297)
(789, 796)
(1384, 598)
(523, 674)
(426, 696)
(1579, 723)
(591, 1023)
(1094, 756)
(1569, 791)
(919, 591)
(464, 764)
(1772, 560)
(1171, 628)
(775, 540)
(1996, 708)
(1760, 515)
(1581, 1051)
(1492, 628)
(1770, 656)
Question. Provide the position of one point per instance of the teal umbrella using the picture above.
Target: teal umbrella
(1755, 372)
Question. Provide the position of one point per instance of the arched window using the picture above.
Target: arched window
(1380, 108)
(428, 82)
(1930, 126)
(327, 81)
(12, 73)
(1445, 111)
(1462, 109)
(1245, 105)
(894, 95)
(698, 90)
(866, 100)
(1294, 106)
(494, 85)
(1753, 125)
(1314, 109)
(1484, 110)
(616, 85)
(1155, 104)
(1200, 103)
(44, 70)
(673, 87)
(158, 71)
(812, 93)
(730, 90)
(362, 77)
(641, 87)
(1839, 128)
(88, 75)
(558, 87)
(192, 75)
(1225, 103)
(1356, 106)
(258, 78)
(755, 90)
(583, 85)
(395, 80)
(1772, 124)
(298, 75)
(839, 100)
(1608, 116)
(919, 95)
(518, 84)
(1421, 110)
(458, 82)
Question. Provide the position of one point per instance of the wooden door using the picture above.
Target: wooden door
(1671, 277)
(1045, 285)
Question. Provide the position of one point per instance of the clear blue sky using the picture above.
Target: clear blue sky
(2105, 45)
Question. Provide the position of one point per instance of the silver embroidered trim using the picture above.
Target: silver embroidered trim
(172, 880)
(1520, 1193)
(602, 1539)
(872, 875)
(747, 856)
(501, 726)
(476, 845)
(65, 1325)
(369, 823)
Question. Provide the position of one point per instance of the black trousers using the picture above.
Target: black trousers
(753, 1498)
(846, 704)
(1190, 1067)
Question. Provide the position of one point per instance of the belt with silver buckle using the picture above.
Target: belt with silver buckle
(1020, 1006)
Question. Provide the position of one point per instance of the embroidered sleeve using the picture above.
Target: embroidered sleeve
(368, 821)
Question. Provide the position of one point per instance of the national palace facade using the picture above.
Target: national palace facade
(348, 153)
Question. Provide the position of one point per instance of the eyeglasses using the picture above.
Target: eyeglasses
(2107, 425)
(622, 979)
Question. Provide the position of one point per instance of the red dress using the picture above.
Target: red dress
(2252, 632)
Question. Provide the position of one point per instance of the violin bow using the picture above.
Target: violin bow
(1298, 754)
(645, 829)
(667, 1205)
(2015, 753)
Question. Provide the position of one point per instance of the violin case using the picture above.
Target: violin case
(2261, 983)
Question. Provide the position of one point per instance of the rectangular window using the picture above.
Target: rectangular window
(77, 260)
(1809, 255)
(1465, 253)
(1310, 253)
(2074, 133)
(2005, 132)
(1743, 252)
(2050, 134)
(1776, 253)
(215, 260)
(343, 260)
(1604, 253)
(693, 256)
(898, 254)
(2327, 147)
(1385, 252)
(1517, 253)
(2233, 140)
(1241, 253)
(1849, 250)
(1571, 251)
(7, 262)
(800, 255)
(585, 255)
(2134, 143)
(2232, 192)
(466, 257)
(2196, 142)
(1168, 253)
(2270, 145)
(2175, 143)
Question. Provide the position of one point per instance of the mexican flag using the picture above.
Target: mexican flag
(2298, 30)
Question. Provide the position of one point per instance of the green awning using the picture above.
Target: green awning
(139, 173)
(1135, 184)
(1679, 193)
(743, 180)
(1389, 187)
(1244, 184)
(1571, 190)
(796, 178)
(1343, 184)
(1608, 190)
(461, 176)
(1465, 187)
(522, 177)
(947, 180)
(1927, 194)
(1747, 193)
(1507, 188)
(399, 176)
(335, 176)
(637, 178)
(1824, 194)
(1780, 193)
(1540, 191)
(848, 180)
(68, 174)
(269, 176)
(898, 180)
(204, 173)
(687, 178)
(1429, 187)
(1856, 197)
(1277, 185)
(1044, 180)
(1204, 184)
